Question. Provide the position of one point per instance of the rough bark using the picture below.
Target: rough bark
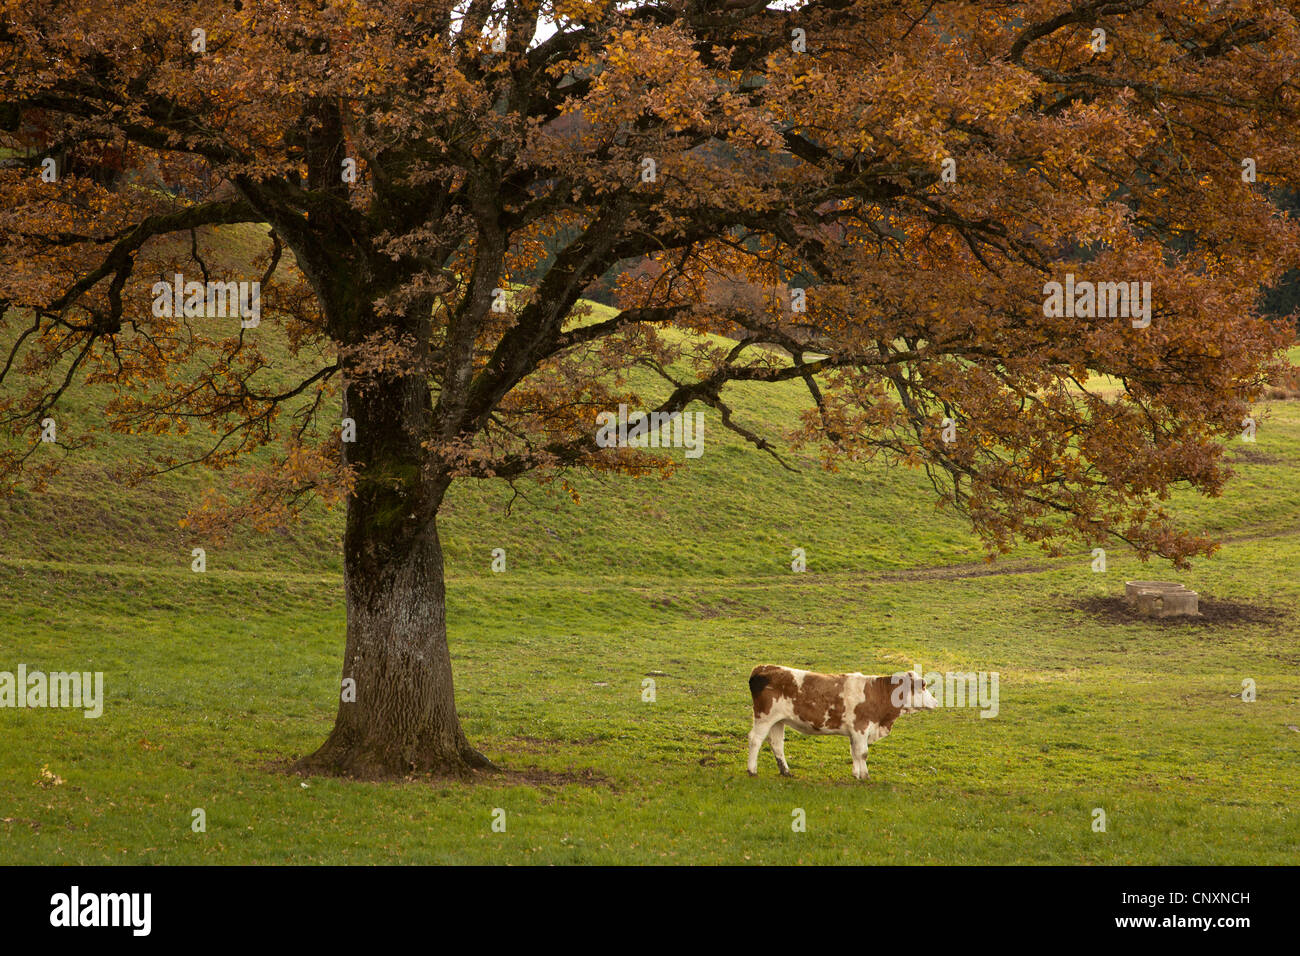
(404, 718)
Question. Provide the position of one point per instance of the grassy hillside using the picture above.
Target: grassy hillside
(215, 681)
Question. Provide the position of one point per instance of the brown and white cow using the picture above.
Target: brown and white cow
(856, 706)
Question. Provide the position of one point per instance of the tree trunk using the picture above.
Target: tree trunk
(403, 719)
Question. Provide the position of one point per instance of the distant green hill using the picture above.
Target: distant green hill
(733, 511)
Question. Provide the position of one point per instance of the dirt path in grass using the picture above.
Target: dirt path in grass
(941, 572)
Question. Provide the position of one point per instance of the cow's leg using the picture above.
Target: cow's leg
(776, 737)
(756, 734)
(858, 747)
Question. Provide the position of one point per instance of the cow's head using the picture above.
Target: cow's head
(910, 694)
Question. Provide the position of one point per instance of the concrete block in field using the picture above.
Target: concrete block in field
(1161, 599)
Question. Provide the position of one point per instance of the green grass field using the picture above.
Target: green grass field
(215, 681)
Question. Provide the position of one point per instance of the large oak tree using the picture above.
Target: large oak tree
(913, 172)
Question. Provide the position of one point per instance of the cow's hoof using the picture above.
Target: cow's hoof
(785, 772)
(753, 773)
